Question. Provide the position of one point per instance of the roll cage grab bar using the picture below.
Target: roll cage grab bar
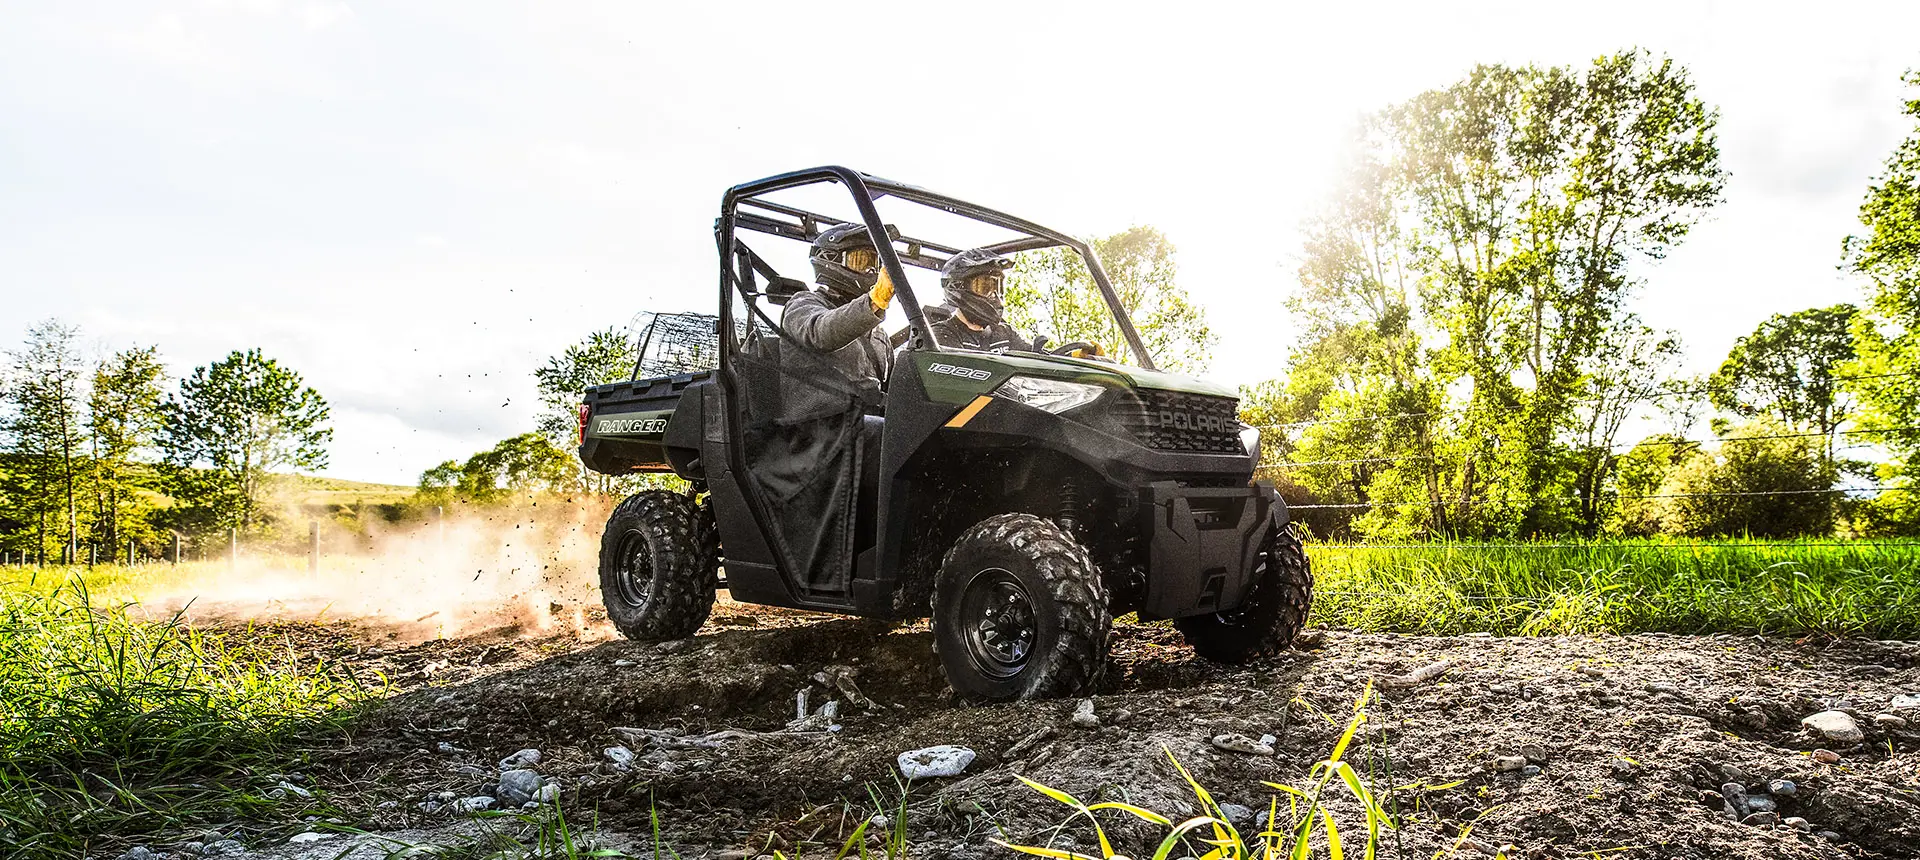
(739, 265)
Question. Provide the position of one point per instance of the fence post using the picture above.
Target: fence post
(233, 550)
(313, 547)
(130, 558)
(176, 548)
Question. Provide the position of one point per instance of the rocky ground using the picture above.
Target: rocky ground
(774, 731)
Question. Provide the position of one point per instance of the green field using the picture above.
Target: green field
(1793, 588)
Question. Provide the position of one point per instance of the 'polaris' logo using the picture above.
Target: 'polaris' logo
(1201, 421)
(628, 426)
(962, 372)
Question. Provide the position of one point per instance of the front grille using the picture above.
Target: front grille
(1174, 421)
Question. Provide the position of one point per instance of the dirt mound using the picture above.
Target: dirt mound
(1559, 747)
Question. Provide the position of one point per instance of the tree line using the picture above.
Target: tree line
(97, 455)
(1470, 358)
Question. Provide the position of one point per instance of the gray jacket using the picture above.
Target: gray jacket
(850, 334)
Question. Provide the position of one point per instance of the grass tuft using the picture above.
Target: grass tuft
(113, 728)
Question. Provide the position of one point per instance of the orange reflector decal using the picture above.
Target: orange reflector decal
(961, 418)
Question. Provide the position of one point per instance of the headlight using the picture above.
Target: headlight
(1051, 395)
(1250, 440)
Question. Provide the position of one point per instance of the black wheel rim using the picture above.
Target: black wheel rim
(635, 582)
(998, 618)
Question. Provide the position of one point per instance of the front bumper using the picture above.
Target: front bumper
(1203, 544)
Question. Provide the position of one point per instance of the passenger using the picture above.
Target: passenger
(842, 318)
(971, 318)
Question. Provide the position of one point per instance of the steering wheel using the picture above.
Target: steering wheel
(1065, 348)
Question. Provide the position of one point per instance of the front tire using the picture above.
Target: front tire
(1018, 612)
(657, 573)
(1272, 614)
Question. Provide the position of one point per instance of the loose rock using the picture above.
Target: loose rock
(931, 762)
(1508, 762)
(1236, 815)
(1890, 721)
(620, 757)
(139, 852)
(1760, 803)
(224, 848)
(518, 786)
(1083, 716)
(1783, 788)
(1535, 753)
(1826, 756)
(1796, 822)
(470, 805)
(309, 836)
(1835, 726)
(547, 793)
(1530, 770)
(1760, 819)
(1239, 743)
(1905, 702)
(521, 759)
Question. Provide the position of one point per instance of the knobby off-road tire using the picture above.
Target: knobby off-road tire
(657, 567)
(1008, 573)
(1273, 613)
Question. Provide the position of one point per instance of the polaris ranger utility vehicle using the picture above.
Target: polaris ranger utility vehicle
(1022, 499)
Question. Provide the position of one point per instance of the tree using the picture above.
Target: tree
(1626, 372)
(1051, 291)
(1887, 332)
(526, 463)
(1785, 370)
(45, 432)
(232, 424)
(1758, 485)
(123, 418)
(599, 358)
(1473, 273)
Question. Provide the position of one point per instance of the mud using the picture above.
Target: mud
(1631, 735)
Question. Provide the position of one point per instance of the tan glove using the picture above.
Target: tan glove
(882, 293)
(1088, 353)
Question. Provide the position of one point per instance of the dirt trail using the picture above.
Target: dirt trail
(1632, 737)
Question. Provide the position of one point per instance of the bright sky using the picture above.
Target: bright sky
(413, 204)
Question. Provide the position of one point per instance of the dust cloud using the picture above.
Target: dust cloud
(526, 568)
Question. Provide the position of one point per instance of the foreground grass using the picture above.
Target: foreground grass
(112, 728)
(1817, 587)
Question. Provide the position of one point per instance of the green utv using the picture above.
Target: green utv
(1021, 499)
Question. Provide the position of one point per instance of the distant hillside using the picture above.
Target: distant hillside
(315, 490)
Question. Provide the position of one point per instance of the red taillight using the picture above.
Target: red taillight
(584, 410)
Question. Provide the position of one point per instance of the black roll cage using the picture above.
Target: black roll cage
(739, 265)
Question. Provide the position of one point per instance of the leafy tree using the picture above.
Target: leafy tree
(1470, 281)
(1050, 291)
(232, 424)
(123, 418)
(44, 429)
(1754, 485)
(599, 358)
(1887, 332)
(523, 464)
(1785, 370)
(1626, 372)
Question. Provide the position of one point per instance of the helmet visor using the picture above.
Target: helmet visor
(862, 260)
(985, 285)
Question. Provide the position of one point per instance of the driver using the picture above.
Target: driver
(971, 318)
(842, 318)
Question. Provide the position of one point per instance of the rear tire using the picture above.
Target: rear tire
(1018, 612)
(657, 569)
(1272, 614)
